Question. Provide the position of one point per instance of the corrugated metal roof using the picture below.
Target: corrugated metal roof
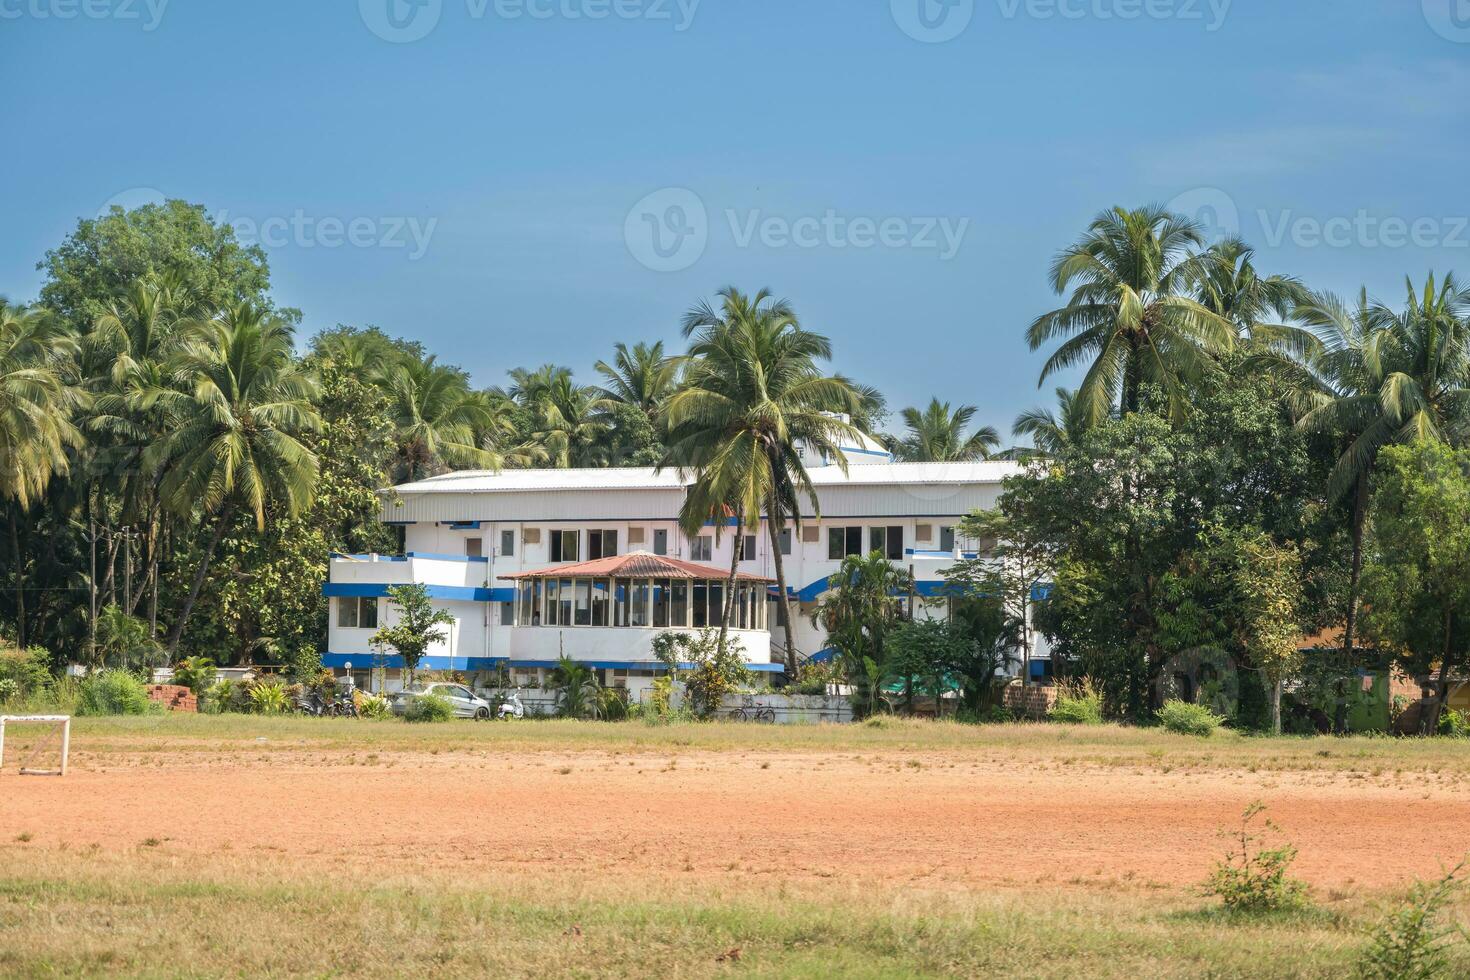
(638, 564)
(645, 478)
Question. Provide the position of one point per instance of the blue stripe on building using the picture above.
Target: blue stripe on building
(364, 661)
(365, 590)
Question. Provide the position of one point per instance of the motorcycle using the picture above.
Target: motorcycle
(511, 707)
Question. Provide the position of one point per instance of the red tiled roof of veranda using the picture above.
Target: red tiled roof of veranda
(638, 564)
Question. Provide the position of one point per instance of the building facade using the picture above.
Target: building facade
(591, 564)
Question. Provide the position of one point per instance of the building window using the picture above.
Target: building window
(601, 544)
(564, 546)
(946, 539)
(844, 542)
(887, 541)
(357, 612)
(785, 538)
(747, 552)
(507, 544)
(474, 547)
(702, 548)
(660, 542)
(507, 613)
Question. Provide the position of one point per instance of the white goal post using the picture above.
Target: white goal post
(60, 725)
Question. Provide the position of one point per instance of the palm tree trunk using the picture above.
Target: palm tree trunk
(20, 582)
(1360, 515)
(1446, 668)
(730, 583)
(784, 605)
(214, 539)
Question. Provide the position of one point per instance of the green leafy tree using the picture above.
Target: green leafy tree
(1012, 565)
(438, 421)
(863, 605)
(419, 626)
(941, 435)
(123, 641)
(707, 666)
(99, 263)
(1134, 317)
(642, 377)
(1416, 590)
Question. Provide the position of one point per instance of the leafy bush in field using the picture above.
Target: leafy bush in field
(269, 698)
(1253, 878)
(372, 706)
(1078, 704)
(28, 670)
(225, 696)
(1454, 724)
(9, 690)
(195, 673)
(1183, 718)
(992, 714)
(113, 692)
(1411, 943)
(429, 707)
(612, 704)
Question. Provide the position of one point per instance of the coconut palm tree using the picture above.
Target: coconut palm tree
(1377, 377)
(438, 420)
(244, 403)
(1052, 432)
(753, 398)
(37, 402)
(1259, 308)
(571, 426)
(939, 435)
(576, 689)
(1133, 317)
(642, 377)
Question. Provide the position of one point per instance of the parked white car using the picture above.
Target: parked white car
(466, 703)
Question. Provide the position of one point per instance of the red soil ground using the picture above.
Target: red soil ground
(945, 822)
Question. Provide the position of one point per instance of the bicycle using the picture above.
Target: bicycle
(761, 715)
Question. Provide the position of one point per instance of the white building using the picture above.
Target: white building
(534, 564)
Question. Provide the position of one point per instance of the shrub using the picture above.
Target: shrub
(429, 707)
(29, 670)
(994, 714)
(223, 696)
(113, 692)
(612, 704)
(195, 673)
(269, 698)
(1454, 724)
(1410, 943)
(1078, 703)
(9, 690)
(1253, 878)
(374, 707)
(1183, 718)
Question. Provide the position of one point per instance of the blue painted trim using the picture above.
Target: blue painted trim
(823, 656)
(430, 556)
(364, 661)
(364, 590)
(914, 553)
(810, 593)
(462, 525)
(866, 452)
(400, 523)
(369, 558)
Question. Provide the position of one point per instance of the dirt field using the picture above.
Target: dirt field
(944, 815)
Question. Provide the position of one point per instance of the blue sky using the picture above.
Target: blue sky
(502, 176)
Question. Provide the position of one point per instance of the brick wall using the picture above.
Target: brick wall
(173, 696)
(1032, 702)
